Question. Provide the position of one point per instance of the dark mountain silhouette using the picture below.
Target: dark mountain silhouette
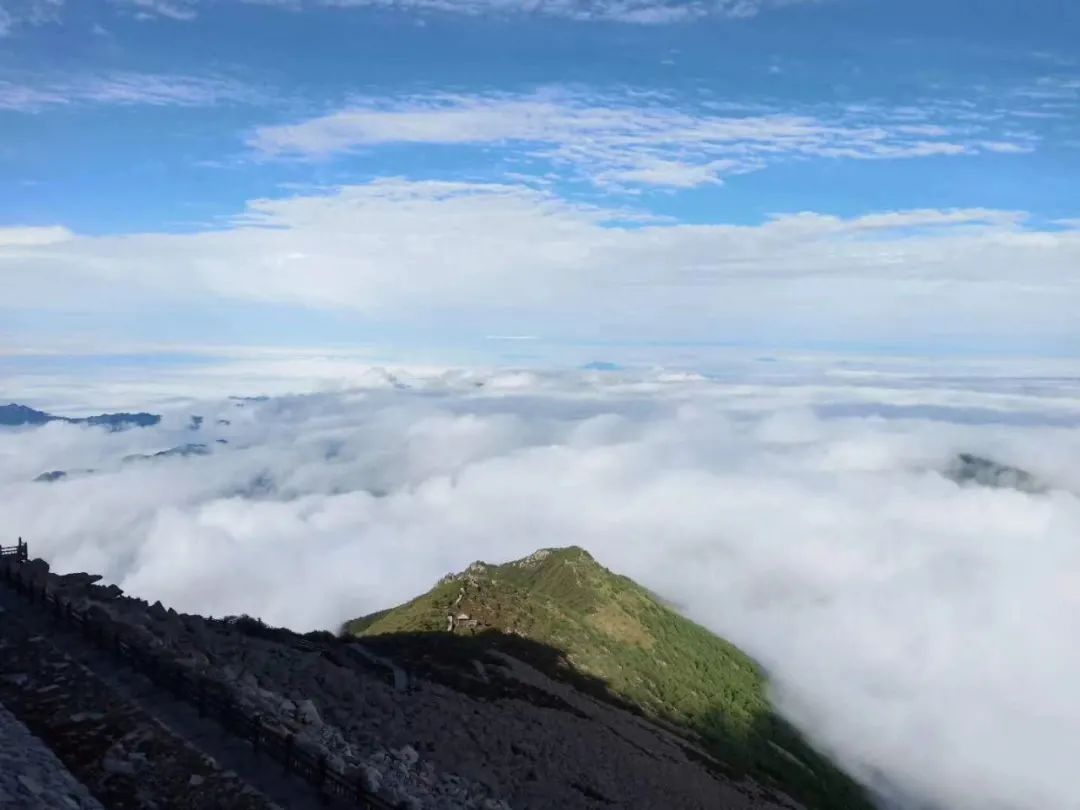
(601, 365)
(968, 468)
(182, 451)
(52, 475)
(15, 415)
(190, 449)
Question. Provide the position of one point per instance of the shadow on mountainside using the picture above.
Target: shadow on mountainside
(771, 751)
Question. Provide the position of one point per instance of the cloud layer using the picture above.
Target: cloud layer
(489, 259)
(920, 630)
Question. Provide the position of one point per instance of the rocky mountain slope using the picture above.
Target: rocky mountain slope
(484, 728)
(575, 621)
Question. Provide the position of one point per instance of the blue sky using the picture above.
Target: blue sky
(841, 173)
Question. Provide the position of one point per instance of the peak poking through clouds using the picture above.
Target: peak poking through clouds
(604, 185)
(903, 617)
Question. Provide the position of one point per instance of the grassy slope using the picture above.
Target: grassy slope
(609, 627)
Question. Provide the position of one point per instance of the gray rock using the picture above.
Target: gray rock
(307, 714)
(344, 706)
(30, 784)
(30, 774)
(78, 580)
(115, 762)
(372, 778)
(109, 592)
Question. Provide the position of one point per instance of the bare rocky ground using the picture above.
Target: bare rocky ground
(513, 738)
(30, 774)
(124, 756)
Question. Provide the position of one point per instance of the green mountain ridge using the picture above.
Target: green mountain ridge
(608, 630)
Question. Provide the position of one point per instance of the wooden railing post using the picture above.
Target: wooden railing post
(322, 779)
(227, 713)
(287, 758)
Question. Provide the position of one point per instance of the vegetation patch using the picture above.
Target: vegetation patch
(572, 618)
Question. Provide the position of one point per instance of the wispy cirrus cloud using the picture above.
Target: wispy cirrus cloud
(166, 9)
(641, 12)
(648, 12)
(16, 13)
(31, 94)
(621, 141)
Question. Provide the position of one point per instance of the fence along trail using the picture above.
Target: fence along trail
(210, 698)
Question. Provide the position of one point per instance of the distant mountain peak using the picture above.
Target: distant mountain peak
(15, 415)
(601, 365)
(968, 468)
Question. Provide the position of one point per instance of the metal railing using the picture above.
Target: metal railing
(210, 697)
(20, 552)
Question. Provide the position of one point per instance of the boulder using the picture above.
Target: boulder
(78, 580)
(371, 777)
(35, 570)
(308, 714)
(107, 592)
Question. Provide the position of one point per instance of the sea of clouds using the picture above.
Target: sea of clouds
(923, 632)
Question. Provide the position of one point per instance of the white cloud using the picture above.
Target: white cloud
(29, 236)
(122, 88)
(903, 619)
(168, 9)
(642, 12)
(930, 218)
(1007, 147)
(16, 13)
(616, 140)
(476, 259)
(669, 173)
